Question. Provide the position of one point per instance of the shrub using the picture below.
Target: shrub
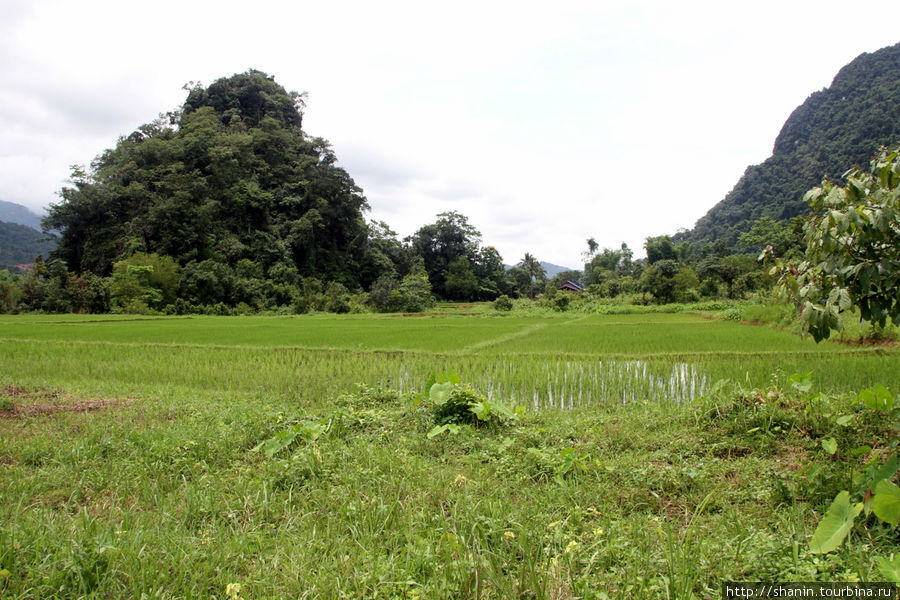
(450, 404)
(562, 301)
(504, 303)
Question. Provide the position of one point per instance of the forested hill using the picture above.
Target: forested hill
(20, 244)
(229, 177)
(836, 128)
(227, 201)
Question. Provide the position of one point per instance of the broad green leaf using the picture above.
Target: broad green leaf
(439, 429)
(877, 398)
(844, 301)
(860, 450)
(482, 410)
(845, 420)
(830, 445)
(886, 502)
(875, 472)
(440, 392)
(802, 382)
(278, 442)
(443, 378)
(890, 568)
(835, 525)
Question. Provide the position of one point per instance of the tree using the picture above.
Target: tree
(518, 281)
(535, 270)
(10, 291)
(660, 248)
(460, 282)
(442, 242)
(146, 278)
(852, 250)
(490, 272)
(592, 247)
(415, 291)
(769, 232)
(608, 264)
(660, 280)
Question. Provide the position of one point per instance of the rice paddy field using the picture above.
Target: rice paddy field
(654, 456)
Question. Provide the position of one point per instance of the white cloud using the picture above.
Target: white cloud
(545, 125)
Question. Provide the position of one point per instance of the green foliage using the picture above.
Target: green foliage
(460, 282)
(149, 279)
(519, 282)
(451, 403)
(659, 279)
(836, 524)
(20, 245)
(873, 488)
(503, 303)
(304, 431)
(229, 178)
(852, 257)
(414, 292)
(890, 568)
(780, 238)
(11, 291)
(659, 248)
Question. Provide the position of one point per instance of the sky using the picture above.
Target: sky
(544, 123)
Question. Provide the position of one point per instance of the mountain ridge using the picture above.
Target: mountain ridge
(835, 128)
(10, 212)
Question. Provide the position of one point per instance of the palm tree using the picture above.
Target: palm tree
(533, 267)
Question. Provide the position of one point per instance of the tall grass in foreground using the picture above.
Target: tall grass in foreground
(164, 497)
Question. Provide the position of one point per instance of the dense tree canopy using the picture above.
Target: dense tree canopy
(229, 178)
(458, 267)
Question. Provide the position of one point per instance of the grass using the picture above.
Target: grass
(127, 466)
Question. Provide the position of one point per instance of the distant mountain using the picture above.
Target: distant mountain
(20, 244)
(10, 212)
(836, 128)
(550, 268)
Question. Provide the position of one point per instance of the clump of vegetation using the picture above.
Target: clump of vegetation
(450, 404)
(852, 259)
(856, 441)
(503, 303)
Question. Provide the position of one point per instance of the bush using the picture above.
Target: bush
(451, 403)
(504, 303)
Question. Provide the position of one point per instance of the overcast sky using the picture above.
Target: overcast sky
(544, 123)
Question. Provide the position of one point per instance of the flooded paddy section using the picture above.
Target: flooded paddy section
(570, 384)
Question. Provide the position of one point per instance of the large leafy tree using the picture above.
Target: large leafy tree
(852, 250)
(660, 248)
(443, 242)
(228, 177)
